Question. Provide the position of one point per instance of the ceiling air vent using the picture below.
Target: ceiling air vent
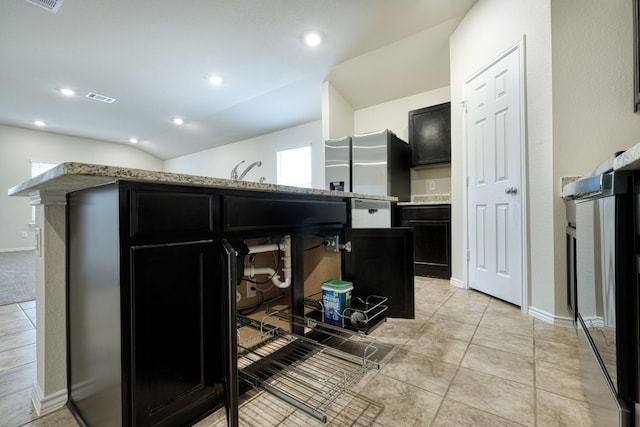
(50, 5)
(101, 98)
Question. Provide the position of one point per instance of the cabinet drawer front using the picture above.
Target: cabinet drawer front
(426, 212)
(246, 213)
(159, 212)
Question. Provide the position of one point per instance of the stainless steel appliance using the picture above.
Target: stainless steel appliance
(337, 164)
(367, 213)
(607, 291)
(376, 163)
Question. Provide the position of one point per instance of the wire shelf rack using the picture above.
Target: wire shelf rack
(310, 374)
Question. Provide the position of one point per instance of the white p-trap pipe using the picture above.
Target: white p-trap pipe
(284, 246)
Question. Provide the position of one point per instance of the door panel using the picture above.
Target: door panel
(381, 263)
(176, 360)
(502, 240)
(494, 191)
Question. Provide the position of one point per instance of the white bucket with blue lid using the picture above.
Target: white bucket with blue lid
(336, 297)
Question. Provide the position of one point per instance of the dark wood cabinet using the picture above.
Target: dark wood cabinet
(175, 357)
(432, 228)
(145, 304)
(381, 263)
(152, 276)
(257, 212)
(430, 135)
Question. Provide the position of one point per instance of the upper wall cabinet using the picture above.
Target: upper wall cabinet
(430, 135)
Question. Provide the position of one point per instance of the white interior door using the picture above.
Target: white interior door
(494, 190)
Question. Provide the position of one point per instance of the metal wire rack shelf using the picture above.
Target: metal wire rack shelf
(308, 373)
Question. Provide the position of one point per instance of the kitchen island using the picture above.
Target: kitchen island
(119, 239)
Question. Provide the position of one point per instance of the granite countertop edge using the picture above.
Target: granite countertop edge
(628, 160)
(72, 176)
(428, 199)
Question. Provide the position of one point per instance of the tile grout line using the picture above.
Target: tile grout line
(25, 313)
(459, 364)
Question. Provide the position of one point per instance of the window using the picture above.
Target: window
(294, 167)
(36, 169)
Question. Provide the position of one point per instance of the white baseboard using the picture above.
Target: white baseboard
(549, 318)
(30, 248)
(457, 283)
(46, 404)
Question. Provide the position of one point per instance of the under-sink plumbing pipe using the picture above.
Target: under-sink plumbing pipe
(284, 246)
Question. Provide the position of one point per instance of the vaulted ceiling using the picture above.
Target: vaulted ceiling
(154, 58)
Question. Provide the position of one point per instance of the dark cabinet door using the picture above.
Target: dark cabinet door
(176, 351)
(432, 227)
(430, 135)
(432, 247)
(381, 263)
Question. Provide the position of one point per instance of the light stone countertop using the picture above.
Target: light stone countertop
(628, 160)
(72, 176)
(567, 180)
(428, 199)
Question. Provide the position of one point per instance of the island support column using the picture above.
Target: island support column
(50, 389)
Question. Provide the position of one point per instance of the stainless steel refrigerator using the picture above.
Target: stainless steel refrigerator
(376, 163)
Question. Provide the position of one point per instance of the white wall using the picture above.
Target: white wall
(218, 162)
(394, 115)
(592, 95)
(18, 147)
(487, 30)
(338, 120)
(337, 113)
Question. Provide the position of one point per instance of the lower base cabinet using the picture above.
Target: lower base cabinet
(432, 227)
(144, 313)
(175, 359)
(151, 298)
(303, 351)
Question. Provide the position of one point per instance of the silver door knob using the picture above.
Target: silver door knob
(511, 190)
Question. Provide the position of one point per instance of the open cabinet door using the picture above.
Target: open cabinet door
(381, 263)
(230, 275)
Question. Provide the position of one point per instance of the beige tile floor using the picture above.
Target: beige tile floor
(466, 360)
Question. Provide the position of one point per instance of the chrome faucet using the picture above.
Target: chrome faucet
(251, 166)
(234, 171)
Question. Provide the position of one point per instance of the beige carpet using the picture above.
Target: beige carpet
(17, 277)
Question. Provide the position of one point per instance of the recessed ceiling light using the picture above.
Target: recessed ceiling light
(67, 92)
(178, 121)
(39, 123)
(215, 80)
(133, 140)
(312, 39)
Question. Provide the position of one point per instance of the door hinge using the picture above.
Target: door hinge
(464, 106)
(467, 181)
(468, 256)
